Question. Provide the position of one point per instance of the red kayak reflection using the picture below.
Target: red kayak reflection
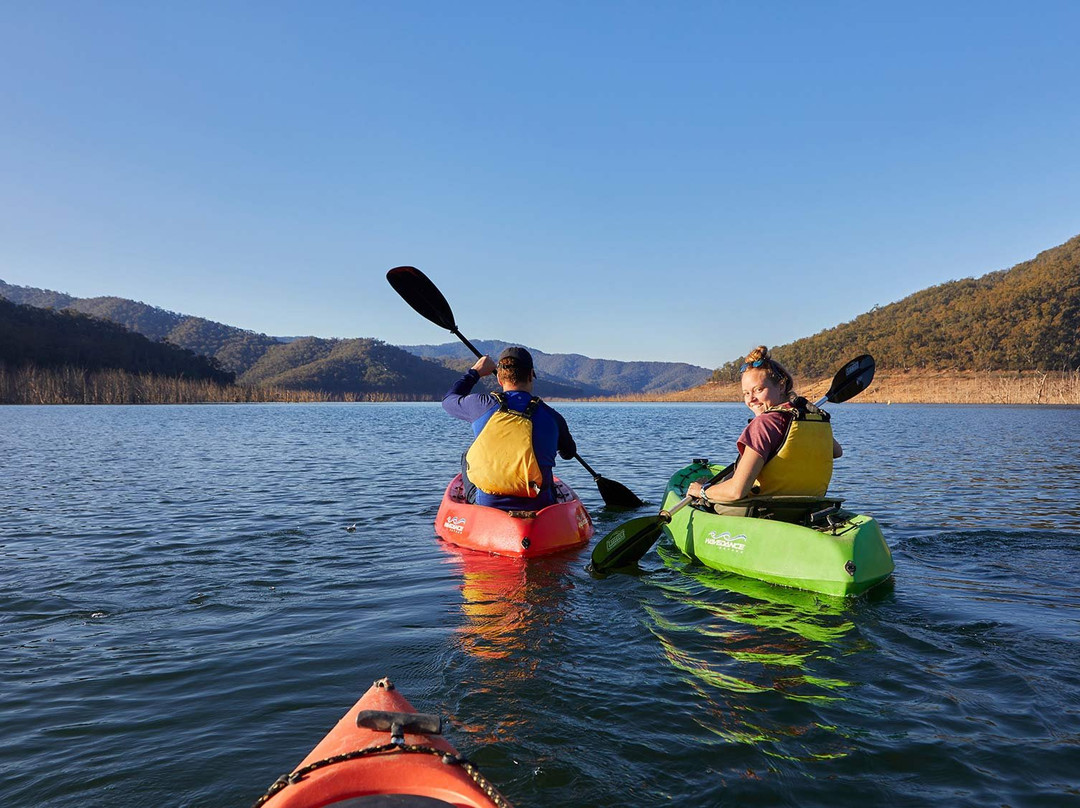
(509, 602)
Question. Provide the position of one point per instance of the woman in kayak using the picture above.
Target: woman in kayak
(787, 449)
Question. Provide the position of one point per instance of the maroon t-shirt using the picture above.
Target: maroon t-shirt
(764, 434)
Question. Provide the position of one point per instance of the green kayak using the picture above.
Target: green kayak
(821, 548)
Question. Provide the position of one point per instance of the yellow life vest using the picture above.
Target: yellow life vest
(502, 461)
(803, 465)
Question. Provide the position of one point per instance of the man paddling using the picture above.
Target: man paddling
(509, 464)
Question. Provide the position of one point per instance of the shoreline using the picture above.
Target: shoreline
(70, 386)
(1034, 387)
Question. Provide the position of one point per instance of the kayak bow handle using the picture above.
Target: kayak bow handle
(397, 724)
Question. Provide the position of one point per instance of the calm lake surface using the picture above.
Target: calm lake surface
(184, 613)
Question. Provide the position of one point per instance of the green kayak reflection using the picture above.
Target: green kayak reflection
(766, 660)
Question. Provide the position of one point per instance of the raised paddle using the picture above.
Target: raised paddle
(627, 543)
(418, 291)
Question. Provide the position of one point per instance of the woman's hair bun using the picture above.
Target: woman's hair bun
(759, 353)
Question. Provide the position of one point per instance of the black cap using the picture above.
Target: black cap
(517, 357)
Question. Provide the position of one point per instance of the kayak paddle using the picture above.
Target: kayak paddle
(630, 541)
(418, 291)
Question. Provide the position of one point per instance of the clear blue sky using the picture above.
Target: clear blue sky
(668, 180)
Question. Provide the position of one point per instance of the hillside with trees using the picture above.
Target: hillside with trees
(35, 341)
(44, 338)
(1026, 318)
(351, 365)
(317, 364)
(236, 349)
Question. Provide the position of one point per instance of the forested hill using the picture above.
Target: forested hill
(1023, 318)
(331, 366)
(31, 336)
(236, 349)
(348, 366)
(594, 377)
(357, 365)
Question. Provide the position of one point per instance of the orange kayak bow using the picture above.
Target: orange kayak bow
(382, 746)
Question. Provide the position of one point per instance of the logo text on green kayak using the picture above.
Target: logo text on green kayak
(726, 541)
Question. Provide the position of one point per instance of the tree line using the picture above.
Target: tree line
(30, 384)
(67, 357)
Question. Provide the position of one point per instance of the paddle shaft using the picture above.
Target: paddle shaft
(674, 509)
(588, 468)
(468, 344)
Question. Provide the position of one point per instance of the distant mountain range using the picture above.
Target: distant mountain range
(356, 365)
(594, 377)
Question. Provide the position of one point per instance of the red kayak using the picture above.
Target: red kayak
(524, 534)
(382, 746)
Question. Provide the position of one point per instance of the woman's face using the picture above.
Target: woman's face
(760, 392)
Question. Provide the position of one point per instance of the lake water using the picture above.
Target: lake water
(184, 613)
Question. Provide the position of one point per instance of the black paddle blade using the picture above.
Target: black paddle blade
(627, 543)
(852, 379)
(617, 495)
(418, 291)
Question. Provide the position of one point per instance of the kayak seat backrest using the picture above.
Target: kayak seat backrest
(805, 511)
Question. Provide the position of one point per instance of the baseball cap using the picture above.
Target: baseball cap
(517, 357)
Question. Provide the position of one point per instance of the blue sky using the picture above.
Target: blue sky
(667, 181)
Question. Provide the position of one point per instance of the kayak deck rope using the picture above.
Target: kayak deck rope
(294, 777)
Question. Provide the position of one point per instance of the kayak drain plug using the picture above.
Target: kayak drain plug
(849, 567)
(525, 542)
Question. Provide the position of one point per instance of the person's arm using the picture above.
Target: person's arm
(760, 440)
(567, 445)
(459, 403)
(738, 485)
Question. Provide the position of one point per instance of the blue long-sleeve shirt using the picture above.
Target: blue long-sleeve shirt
(550, 435)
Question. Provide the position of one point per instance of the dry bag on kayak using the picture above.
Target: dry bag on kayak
(502, 461)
